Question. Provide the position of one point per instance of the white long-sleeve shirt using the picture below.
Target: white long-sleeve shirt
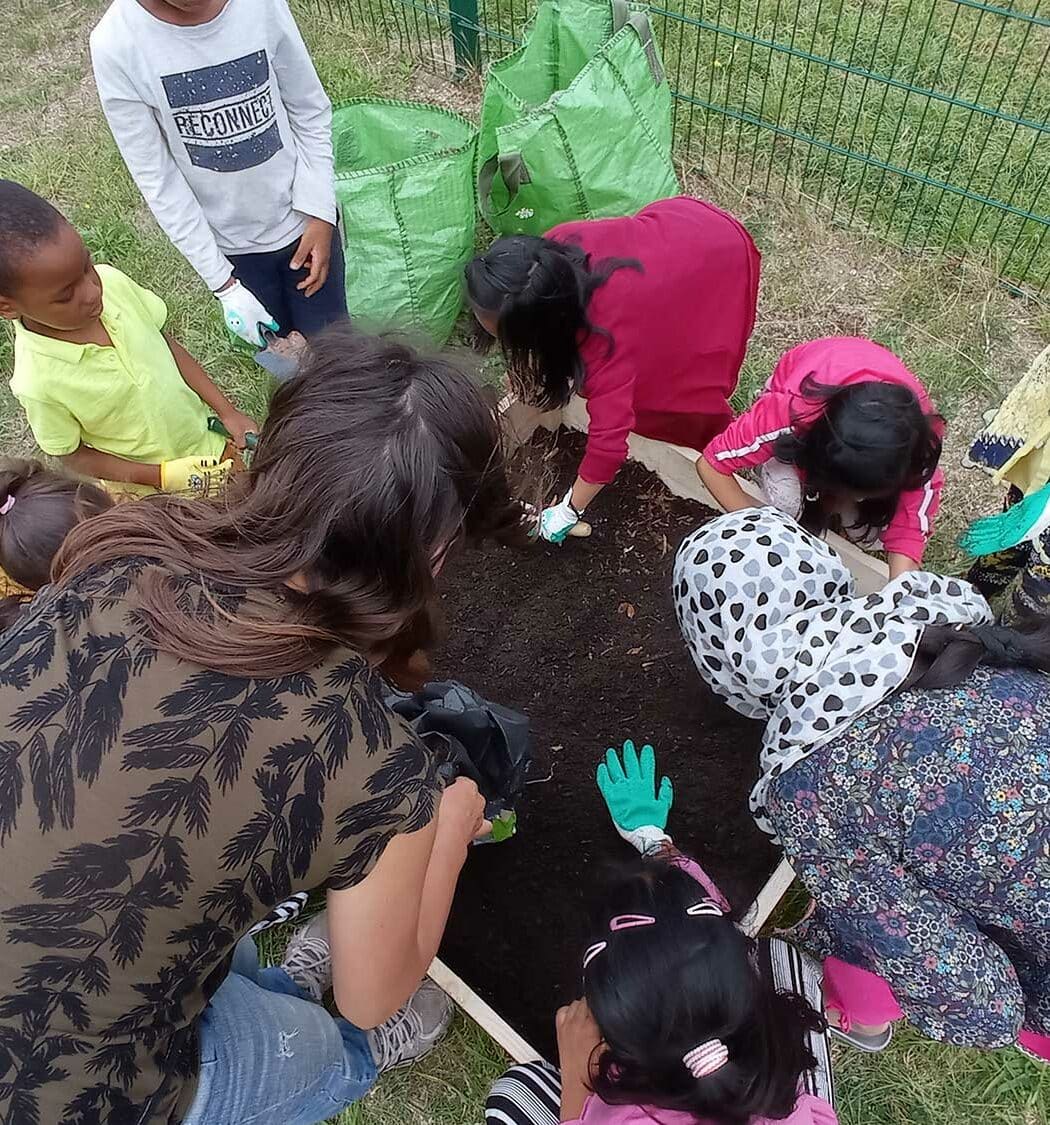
(224, 127)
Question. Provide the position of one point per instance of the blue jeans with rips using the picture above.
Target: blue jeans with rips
(272, 1056)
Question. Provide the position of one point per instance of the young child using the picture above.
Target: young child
(645, 317)
(221, 119)
(38, 509)
(103, 387)
(848, 439)
(685, 1020)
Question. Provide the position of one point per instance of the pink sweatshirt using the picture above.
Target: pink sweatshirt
(838, 361)
(678, 329)
(809, 1109)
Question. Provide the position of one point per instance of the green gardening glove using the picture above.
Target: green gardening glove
(638, 810)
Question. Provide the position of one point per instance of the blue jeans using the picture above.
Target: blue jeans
(270, 279)
(271, 1056)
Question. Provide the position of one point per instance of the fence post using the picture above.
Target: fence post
(463, 15)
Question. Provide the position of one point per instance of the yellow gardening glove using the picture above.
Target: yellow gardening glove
(9, 588)
(203, 476)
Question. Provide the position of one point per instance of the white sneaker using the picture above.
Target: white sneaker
(412, 1032)
(308, 958)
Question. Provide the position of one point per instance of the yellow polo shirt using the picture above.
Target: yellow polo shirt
(128, 399)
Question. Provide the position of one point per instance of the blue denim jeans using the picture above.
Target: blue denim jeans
(271, 1056)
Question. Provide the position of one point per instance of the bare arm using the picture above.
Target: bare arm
(198, 380)
(201, 383)
(724, 488)
(578, 1039)
(385, 932)
(88, 462)
(900, 564)
(583, 493)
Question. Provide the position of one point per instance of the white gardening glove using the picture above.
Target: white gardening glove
(558, 520)
(244, 315)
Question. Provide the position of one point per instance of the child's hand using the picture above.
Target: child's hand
(202, 476)
(244, 315)
(314, 252)
(638, 809)
(557, 521)
(578, 1037)
(238, 426)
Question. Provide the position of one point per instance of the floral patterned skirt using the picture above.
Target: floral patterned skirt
(923, 834)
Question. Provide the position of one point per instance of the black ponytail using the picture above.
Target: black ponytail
(947, 656)
(43, 506)
(538, 290)
(658, 991)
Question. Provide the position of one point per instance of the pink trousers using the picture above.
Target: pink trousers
(863, 997)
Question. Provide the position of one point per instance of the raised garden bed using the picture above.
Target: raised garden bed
(583, 638)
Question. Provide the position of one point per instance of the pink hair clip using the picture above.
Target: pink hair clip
(7, 505)
(630, 922)
(620, 922)
(593, 951)
(707, 1058)
(706, 906)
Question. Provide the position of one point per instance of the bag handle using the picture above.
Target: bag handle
(513, 171)
(622, 16)
(644, 30)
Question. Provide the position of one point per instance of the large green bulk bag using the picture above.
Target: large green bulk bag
(575, 124)
(404, 184)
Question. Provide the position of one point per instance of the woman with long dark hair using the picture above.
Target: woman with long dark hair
(193, 725)
(646, 317)
(905, 770)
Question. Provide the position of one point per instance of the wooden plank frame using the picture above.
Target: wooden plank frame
(675, 465)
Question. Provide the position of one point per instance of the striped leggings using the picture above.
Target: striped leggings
(530, 1094)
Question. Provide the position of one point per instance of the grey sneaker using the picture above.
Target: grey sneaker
(412, 1032)
(308, 958)
(862, 1041)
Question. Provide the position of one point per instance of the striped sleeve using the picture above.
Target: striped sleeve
(749, 439)
(528, 1094)
(912, 524)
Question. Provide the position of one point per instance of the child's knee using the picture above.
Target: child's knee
(783, 487)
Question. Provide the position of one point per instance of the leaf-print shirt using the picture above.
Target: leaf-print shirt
(150, 812)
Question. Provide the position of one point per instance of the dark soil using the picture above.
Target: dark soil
(583, 638)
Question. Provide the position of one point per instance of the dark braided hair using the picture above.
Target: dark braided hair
(946, 656)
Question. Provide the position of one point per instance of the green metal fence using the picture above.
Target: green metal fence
(927, 121)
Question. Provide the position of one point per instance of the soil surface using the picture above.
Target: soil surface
(583, 639)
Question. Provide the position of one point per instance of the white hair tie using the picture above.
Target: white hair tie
(707, 1058)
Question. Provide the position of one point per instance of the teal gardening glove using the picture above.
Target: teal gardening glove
(638, 809)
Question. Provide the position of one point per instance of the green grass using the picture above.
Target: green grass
(826, 96)
(967, 54)
(964, 333)
(919, 1082)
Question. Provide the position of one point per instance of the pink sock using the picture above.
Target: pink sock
(1035, 1044)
